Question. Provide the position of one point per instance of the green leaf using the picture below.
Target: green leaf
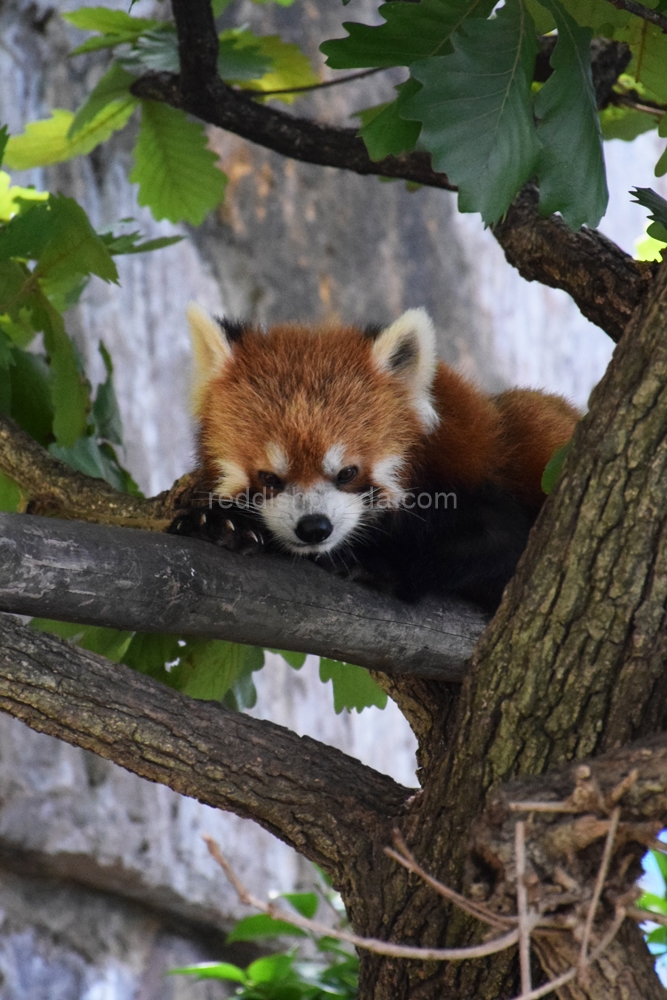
(31, 405)
(652, 903)
(551, 473)
(13, 197)
(305, 903)
(661, 861)
(208, 668)
(272, 968)
(289, 66)
(353, 687)
(240, 56)
(649, 198)
(617, 122)
(476, 110)
(48, 141)
(108, 642)
(262, 926)
(295, 660)
(176, 172)
(150, 652)
(411, 31)
(94, 459)
(211, 970)
(570, 168)
(598, 15)
(649, 52)
(108, 21)
(111, 93)
(67, 244)
(4, 136)
(156, 51)
(11, 497)
(106, 413)
(128, 243)
(385, 132)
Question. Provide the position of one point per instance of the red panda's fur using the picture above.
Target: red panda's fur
(280, 402)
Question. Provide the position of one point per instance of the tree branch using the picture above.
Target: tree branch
(640, 10)
(55, 489)
(584, 264)
(153, 582)
(323, 803)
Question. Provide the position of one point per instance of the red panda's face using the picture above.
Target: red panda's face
(315, 429)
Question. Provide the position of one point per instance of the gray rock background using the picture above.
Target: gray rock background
(104, 880)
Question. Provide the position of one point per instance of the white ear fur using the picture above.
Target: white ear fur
(406, 349)
(210, 349)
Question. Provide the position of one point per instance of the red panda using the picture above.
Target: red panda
(360, 449)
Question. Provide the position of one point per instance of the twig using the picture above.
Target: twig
(541, 807)
(522, 905)
(640, 10)
(315, 86)
(477, 910)
(568, 976)
(370, 944)
(617, 793)
(647, 916)
(599, 884)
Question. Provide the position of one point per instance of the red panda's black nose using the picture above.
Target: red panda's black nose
(313, 528)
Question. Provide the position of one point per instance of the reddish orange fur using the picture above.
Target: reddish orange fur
(308, 389)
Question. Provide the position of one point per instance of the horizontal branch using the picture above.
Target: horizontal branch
(153, 582)
(585, 264)
(312, 796)
(53, 488)
(641, 10)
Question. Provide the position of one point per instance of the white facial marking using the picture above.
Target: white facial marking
(283, 512)
(333, 460)
(387, 473)
(277, 459)
(233, 478)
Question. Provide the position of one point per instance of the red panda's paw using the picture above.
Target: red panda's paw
(234, 530)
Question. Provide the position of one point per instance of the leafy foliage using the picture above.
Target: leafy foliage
(658, 212)
(476, 110)
(353, 687)
(551, 474)
(176, 171)
(51, 141)
(285, 976)
(570, 169)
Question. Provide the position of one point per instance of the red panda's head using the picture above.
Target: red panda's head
(318, 426)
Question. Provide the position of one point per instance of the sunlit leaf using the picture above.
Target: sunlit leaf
(261, 926)
(176, 172)
(570, 169)
(618, 122)
(48, 141)
(211, 970)
(477, 113)
(11, 196)
(111, 93)
(305, 903)
(290, 67)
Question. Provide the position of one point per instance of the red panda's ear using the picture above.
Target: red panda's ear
(211, 352)
(406, 349)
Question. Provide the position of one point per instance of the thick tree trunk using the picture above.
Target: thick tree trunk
(572, 665)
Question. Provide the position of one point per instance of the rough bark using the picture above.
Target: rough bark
(323, 803)
(573, 663)
(153, 582)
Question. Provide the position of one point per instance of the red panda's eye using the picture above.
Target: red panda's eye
(347, 474)
(271, 480)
